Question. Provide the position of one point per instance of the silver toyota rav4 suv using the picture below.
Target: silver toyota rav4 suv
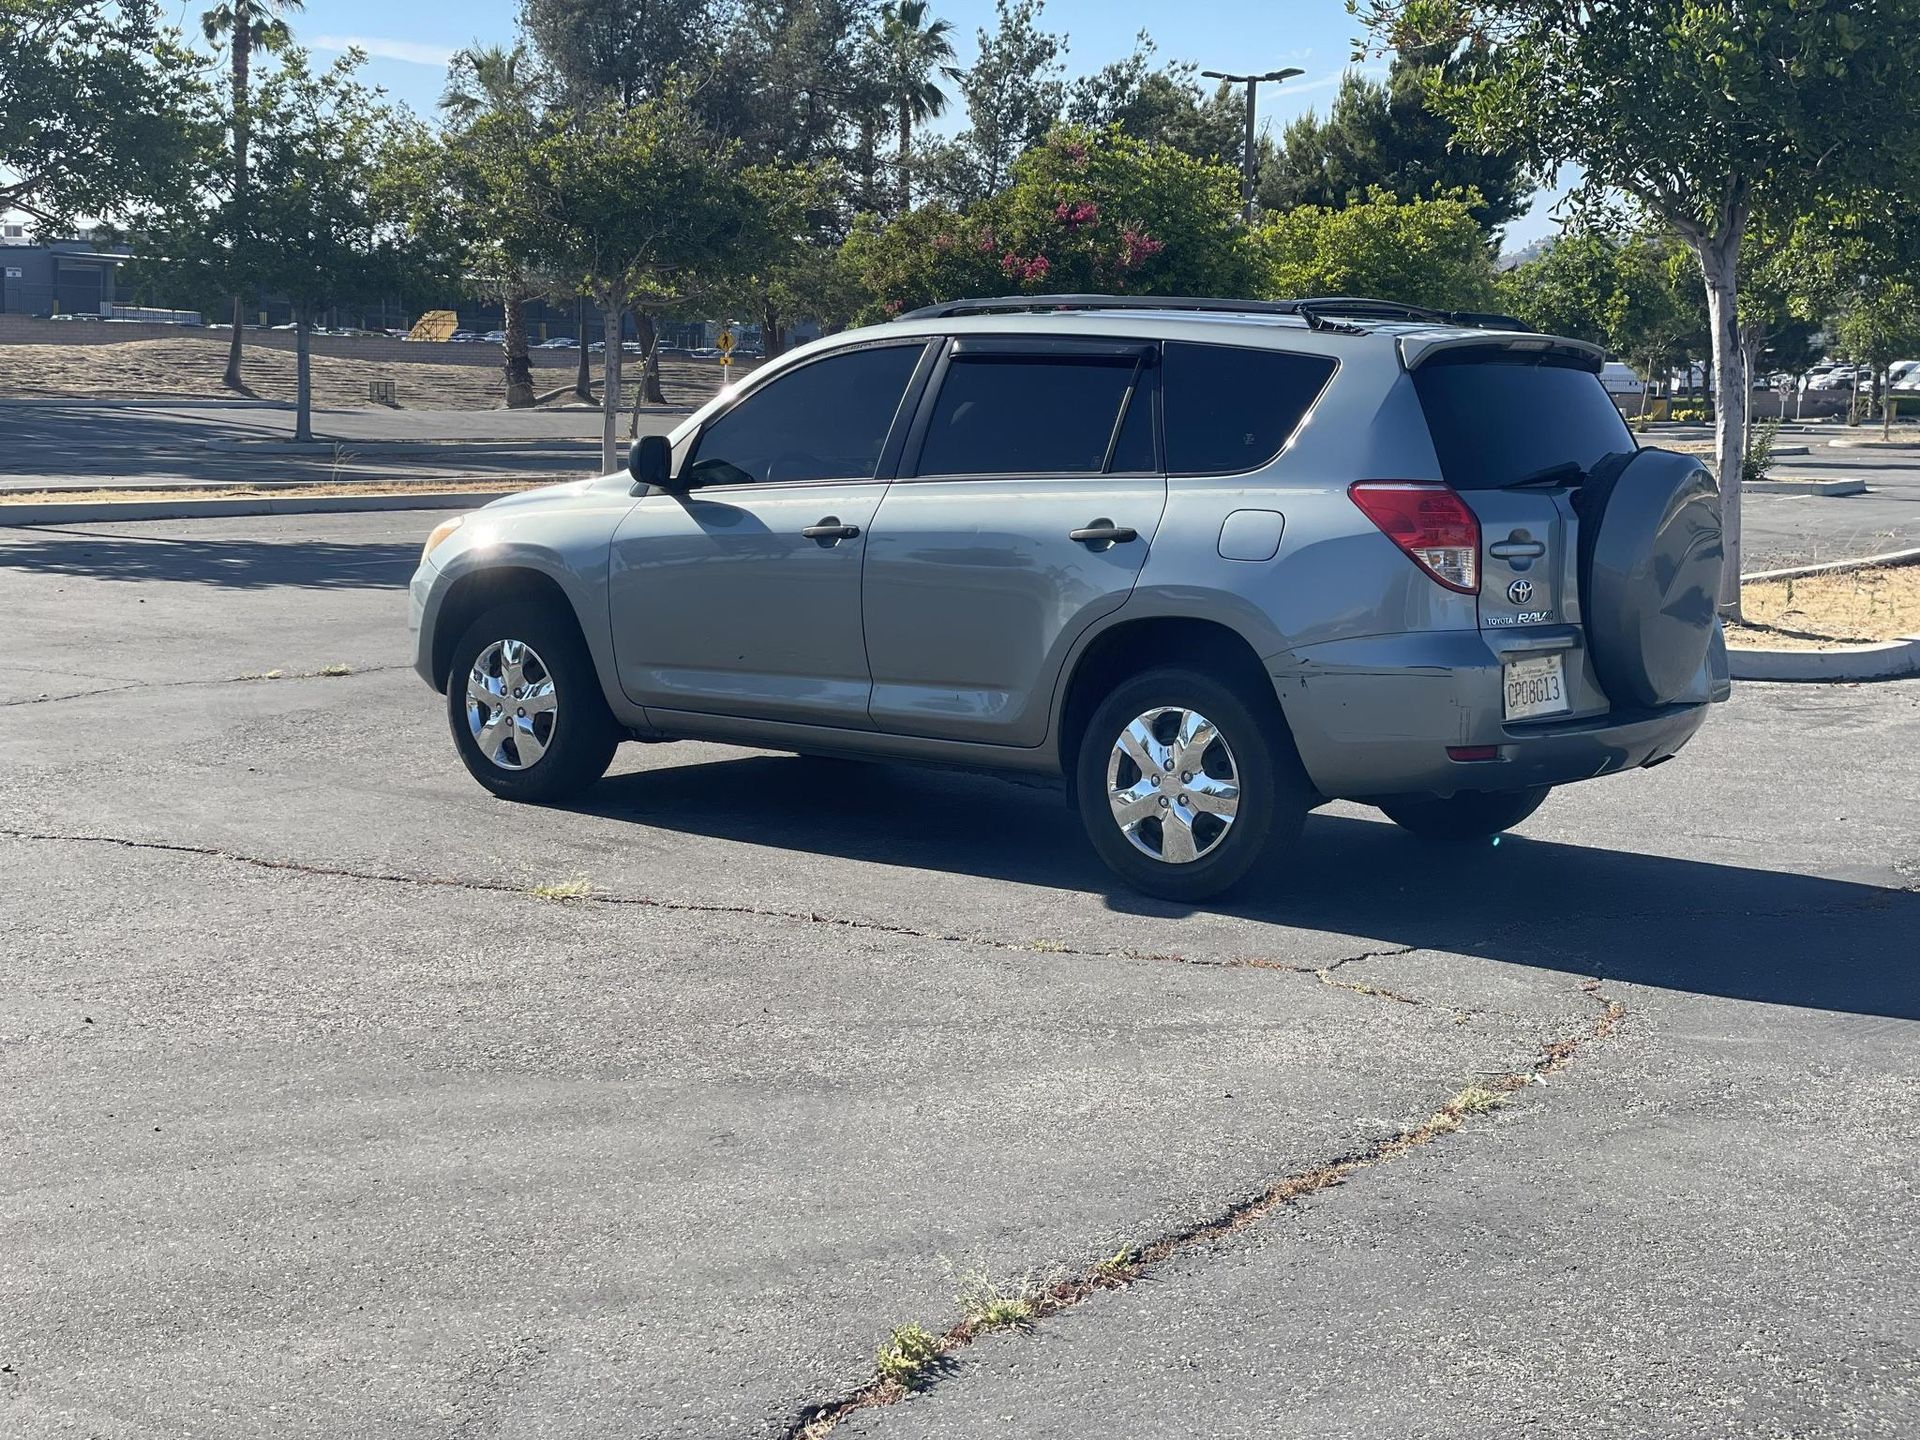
(1211, 562)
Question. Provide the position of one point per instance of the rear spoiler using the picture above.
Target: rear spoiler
(1417, 349)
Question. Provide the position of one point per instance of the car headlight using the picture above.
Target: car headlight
(440, 532)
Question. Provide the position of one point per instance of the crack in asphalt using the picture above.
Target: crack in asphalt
(816, 1421)
(261, 678)
(1322, 973)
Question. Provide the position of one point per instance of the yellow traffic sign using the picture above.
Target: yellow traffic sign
(724, 342)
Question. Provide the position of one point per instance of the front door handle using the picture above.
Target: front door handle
(1104, 533)
(831, 529)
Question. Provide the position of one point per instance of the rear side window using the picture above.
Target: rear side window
(1498, 420)
(1230, 409)
(1033, 415)
(827, 420)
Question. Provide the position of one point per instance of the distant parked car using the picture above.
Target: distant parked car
(706, 352)
(494, 337)
(1618, 379)
(675, 352)
(1904, 375)
(559, 342)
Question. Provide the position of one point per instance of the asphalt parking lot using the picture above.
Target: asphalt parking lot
(340, 1098)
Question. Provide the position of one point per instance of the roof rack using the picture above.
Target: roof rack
(1318, 312)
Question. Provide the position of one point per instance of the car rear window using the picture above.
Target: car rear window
(1499, 417)
(1230, 409)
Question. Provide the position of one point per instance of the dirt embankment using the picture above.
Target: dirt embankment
(192, 367)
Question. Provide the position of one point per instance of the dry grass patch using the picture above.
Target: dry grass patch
(1851, 607)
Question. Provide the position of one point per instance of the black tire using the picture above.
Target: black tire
(580, 738)
(1470, 815)
(1271, 804)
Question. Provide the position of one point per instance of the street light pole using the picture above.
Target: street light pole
(1252, 82)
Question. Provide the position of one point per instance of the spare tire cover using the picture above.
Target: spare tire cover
(1651, 552)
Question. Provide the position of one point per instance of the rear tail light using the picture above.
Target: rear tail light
(1431, 523)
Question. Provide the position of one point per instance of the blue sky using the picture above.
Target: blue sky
(408, 44)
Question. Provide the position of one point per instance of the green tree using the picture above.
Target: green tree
(1880, 326)
(630, 49)
(322, 145)
(1085, 211)
(1388, 136)
(474, 198)
(639, 205)
(1420, 252)
(1013, 93)
(1165, 106)
(102, 111)
(246, 26)
(1639, 298)
(1698, 109)
(909, 50)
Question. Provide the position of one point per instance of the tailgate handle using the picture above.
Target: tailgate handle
(1517, 546)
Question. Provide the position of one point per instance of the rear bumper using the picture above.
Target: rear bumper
(1375, 717)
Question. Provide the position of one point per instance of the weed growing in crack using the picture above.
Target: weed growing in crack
(1476, 1100)
(334, 671)
(578, 888)
(1118, 1268)
(906, 1356)
(984, 1305)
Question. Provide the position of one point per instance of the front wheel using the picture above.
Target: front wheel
(524, 704)
(1470, 815)
(1183, 784)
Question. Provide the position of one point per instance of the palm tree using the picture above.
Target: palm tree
(250, 25)
(909, 50)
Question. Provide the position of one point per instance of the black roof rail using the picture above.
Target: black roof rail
(1316, 311)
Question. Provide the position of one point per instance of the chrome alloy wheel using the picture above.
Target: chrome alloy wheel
(511, 707)
(1172, 785)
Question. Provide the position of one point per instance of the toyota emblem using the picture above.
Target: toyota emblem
(1520, 591)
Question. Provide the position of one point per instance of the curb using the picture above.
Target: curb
(1837, 486)
(56, 512)
(1889, 660)
(1898, 446)
(1832, 567)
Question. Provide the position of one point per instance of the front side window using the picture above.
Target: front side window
(1036, 415)
(827, 420)
(1230, 409)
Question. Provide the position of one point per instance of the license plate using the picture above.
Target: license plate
(1536, 687)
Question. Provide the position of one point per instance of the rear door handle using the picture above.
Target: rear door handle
(831, 529)
(1104, 532)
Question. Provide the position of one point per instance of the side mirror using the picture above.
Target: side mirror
(650, 461)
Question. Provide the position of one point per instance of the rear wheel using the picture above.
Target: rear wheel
(1183, 784)
(524, 704)
(1470, 815)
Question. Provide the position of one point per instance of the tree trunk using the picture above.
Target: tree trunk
(242, 123)
(583, 372)
(1885, 401)
(649, 338)
(1719, 262)
(906, 160)
(302, 376)
(773, 330)
(519, 367)
(1646, 390)
(610, 397)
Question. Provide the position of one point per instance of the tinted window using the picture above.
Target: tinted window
(1496, 421)
(1010, 415)
(825, 421)
(1230, 409)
